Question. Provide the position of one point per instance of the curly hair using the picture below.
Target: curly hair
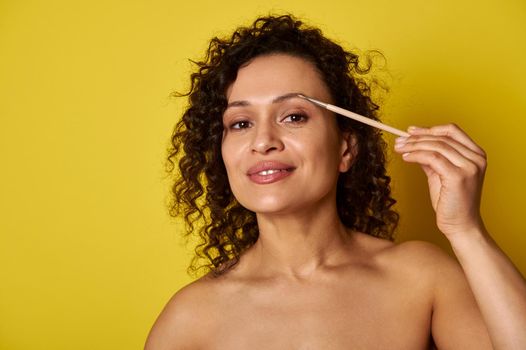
(201, 190)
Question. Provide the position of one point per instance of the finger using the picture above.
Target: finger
(451, 130)
(437, 147)
(459, 147)
(427, 170)
(431, 160)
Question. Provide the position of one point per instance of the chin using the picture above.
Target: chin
(283, 200)
(267, 204)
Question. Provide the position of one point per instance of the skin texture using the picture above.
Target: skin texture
(310, 283)
(276, 131)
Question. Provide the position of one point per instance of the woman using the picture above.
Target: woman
(297, 218)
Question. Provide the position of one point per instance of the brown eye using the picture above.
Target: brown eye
(295, 118)
(243, 124)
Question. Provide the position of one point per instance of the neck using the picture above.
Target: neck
(297, 245)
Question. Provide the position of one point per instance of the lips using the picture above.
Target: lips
(269, 171)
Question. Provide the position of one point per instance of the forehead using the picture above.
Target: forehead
(267, 76)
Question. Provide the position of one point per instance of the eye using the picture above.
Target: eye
(242, 124)
(295, 118)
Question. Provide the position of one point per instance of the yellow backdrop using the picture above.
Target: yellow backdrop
(88, 254)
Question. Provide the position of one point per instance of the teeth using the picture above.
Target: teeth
(268, 172)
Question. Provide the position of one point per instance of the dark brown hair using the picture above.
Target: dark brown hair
(201, 190)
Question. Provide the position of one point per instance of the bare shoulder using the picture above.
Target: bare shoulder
(456, 319)
(428, 261)
(420, 253)
(409, 252)
(416, 260)
(178, 324)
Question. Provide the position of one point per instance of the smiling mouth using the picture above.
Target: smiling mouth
(272, 171)
(269, 176)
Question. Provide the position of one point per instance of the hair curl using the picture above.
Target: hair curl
(201, 190)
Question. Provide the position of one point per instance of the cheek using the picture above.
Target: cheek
(225, 154)
(320, 147)
(230, 152)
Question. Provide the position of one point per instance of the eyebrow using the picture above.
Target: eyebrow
(278, 99)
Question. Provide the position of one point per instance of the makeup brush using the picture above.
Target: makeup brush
(356, 117)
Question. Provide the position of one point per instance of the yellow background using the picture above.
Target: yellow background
(88, 254)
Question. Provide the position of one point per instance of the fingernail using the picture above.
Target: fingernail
(414, 128)
(400, 140)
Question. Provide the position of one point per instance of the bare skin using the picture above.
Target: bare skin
(310, 283)
(379, 296)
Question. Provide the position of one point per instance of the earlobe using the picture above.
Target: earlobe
(349, 151)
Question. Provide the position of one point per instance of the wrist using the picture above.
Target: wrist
(462, 230)
(470, 241)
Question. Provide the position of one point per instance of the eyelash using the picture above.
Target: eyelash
(303, 117)
(233, 126)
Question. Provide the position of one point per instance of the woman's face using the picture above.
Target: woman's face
(281, 152)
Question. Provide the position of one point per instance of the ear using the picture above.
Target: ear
(348, 151)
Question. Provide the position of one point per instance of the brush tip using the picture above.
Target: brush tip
(316, 102)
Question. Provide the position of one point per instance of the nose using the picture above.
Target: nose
(266, 138)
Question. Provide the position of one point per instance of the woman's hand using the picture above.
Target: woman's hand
(455, 168)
